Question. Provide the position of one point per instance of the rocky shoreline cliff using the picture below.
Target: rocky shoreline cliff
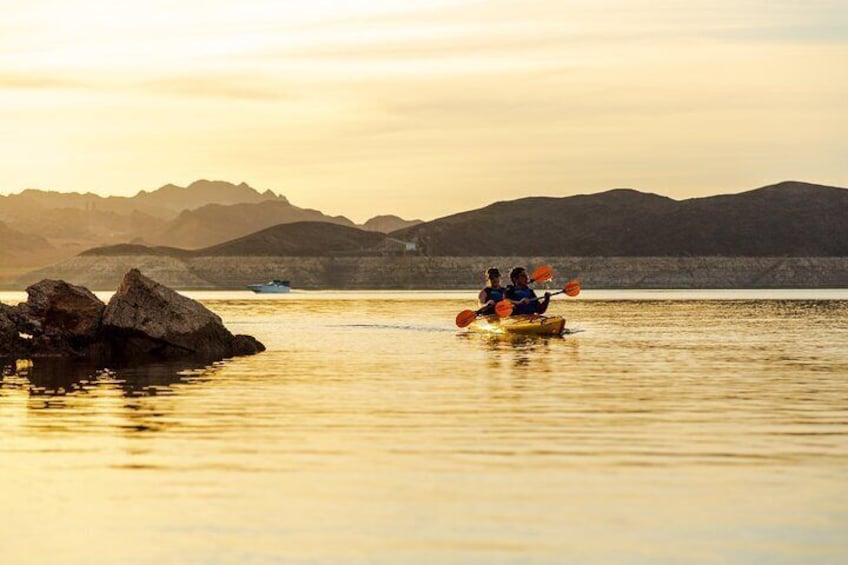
(441, 273)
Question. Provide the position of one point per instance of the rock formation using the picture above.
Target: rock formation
(148, 318)
(63, 319)
(143, 320)
(11, 342)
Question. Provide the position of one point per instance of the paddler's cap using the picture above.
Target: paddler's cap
(493, 272)
(513, 274)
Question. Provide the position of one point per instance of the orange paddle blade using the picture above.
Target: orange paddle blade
(543, 274)
(572, 288)
(465, 317)
(503, 308)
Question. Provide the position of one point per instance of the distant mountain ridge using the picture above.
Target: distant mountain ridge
(13, 242)
(787, 219)
(204, 192)
(215, 223)
(164, 203)
(204, 213)
(389, 223)
(298, 239)
(168, 202)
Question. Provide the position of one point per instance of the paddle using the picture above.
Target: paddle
(464, 318)
(571, 289)
(542, 274)
(503, 308)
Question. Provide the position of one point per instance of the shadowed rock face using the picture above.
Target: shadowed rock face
(143, 320)
(145, 317)
(62, 318)
(10, 341)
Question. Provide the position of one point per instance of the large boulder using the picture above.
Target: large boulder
(11, 342)
(147, 318)
(61, 318)
(65, 308)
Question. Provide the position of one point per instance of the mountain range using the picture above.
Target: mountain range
(298, 239)
(17, 244)
(41, 227)
(787, 219)
(790, 219)
(219, 219)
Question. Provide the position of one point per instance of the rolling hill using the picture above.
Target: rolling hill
(787, 219)
(14, 242)
(389, 223)
(298, 239)
(215, 223)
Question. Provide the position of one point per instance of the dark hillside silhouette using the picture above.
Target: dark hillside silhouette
(299, 239)
(787, 219)
(216, 223)
(388, 223)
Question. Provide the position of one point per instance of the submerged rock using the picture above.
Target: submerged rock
(144, 319)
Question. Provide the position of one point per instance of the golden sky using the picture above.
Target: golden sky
(423, 108)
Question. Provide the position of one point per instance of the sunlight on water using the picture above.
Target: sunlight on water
(664, 429)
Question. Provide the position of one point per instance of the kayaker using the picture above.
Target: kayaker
(522, 296)
(493, 293)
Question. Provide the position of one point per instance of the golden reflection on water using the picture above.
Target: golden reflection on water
(375, 431)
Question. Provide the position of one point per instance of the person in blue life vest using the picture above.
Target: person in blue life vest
(493, 293)
(522, 296)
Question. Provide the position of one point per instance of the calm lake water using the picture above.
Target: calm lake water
(671, 426)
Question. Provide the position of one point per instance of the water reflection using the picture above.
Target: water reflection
(518, 352)
(58, 377)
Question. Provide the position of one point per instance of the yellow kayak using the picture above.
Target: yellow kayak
(526, 324)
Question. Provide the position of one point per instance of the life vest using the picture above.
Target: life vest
(516, 294)
(495, 294)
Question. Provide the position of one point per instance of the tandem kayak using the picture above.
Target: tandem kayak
(527, 324)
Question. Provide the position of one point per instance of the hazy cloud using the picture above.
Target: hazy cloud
(36, 81)
(242, 87)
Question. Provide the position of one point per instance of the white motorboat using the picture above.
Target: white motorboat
(274, 286)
